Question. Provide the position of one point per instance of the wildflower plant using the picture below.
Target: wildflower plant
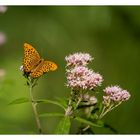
(113, 97)
(83, 104)
(32, 69)
(81, 79)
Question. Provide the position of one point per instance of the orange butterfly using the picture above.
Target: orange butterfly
(33, 64)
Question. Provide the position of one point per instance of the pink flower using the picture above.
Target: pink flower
(111, 90)
(82, 77)
(3, 9)
(78, 59)
(115, 94)
(125, 95)
(2, 38)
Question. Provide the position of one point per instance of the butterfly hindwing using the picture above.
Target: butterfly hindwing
(43, 67)
(31, 58)
(37, 73)
(49, 66)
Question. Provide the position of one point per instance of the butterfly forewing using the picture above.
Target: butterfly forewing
(31, 58)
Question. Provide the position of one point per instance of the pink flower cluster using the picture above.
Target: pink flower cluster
(82, 77)
(78, 59)
(79, 76)
(115, 94)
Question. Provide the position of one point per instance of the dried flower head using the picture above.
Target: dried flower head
(81, 77)
(88, 99)
(115, 94)
(93, 100)
(78, 59)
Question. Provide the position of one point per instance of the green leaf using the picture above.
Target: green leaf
(100, 107)
(51, 102)
(63, 126)
(19, 101)
(94, 116)
(111, 128)
(87, 122)
(101, 123)
(51, 115)
(62, 101)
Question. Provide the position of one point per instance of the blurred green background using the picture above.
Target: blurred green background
(110, 34)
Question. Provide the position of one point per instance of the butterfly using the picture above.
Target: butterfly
(33, 64)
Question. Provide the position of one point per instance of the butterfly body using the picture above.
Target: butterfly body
(33, 64)
(40, 64)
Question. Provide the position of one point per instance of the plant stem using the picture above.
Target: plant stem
(35, 109)
(87, 127)
(105, 112)
(100, 116)
(108, 110)
(78, 102)
(69, 109)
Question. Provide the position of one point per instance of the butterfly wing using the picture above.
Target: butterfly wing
(31, 58)
(43, 67)
(49, 66)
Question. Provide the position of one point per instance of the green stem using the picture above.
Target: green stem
(104, 113)
(78, 102)
(68, 111)
(103, 110)
(87, 127)
(79, 99)
(115, 106)
(35, 109)
(108, 110)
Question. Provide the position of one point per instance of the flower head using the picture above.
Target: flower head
(2, 38)
(115, 94)
(3, 9)
(89, 100)
(2, 73)
(21, 68)
(78, 59)
(82, 77)
(93, 100)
